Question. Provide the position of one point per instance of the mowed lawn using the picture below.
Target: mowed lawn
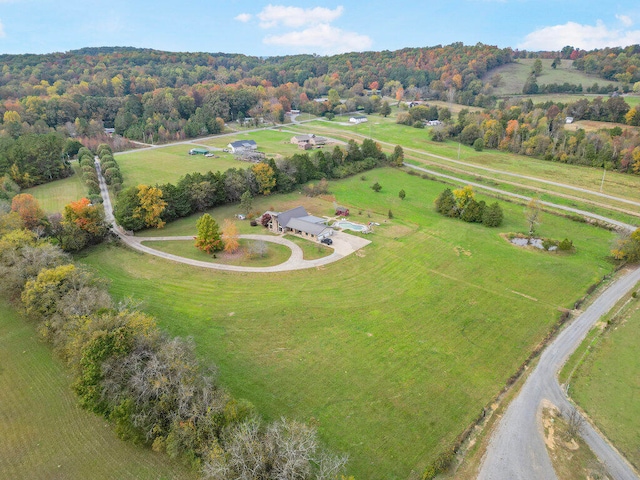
(53, 196)
(168, 164)
(45, 434)
(607, 384)
(391, 352)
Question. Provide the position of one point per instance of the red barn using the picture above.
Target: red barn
(342, 211)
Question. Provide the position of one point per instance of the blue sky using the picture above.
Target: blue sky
(280, 28)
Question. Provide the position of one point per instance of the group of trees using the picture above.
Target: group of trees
(461, 203)
(151, 387)
(538, 130)
(198, 192)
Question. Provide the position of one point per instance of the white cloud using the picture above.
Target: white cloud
(274, 15)
(586, 37)
(322, 38)
(243, 17)
(2, 32)
(625, 20)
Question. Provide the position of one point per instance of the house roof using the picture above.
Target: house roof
(312, 219)
(307, 227)
(243, 143)
(284, 217)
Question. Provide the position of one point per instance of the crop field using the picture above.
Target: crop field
(53, 196)
(45, 434)
(514, 75)
(168, 164)
(391, 352)
(607, 381)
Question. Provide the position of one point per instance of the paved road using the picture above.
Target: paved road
(595, 216)
(343, 244)
(516, 450)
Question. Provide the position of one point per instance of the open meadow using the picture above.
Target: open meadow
(53, 196)
(45, 434)
(391, 352)
(514, 75)
(607, 381)
(168, 164)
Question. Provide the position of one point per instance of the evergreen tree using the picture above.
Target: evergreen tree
(492, 216)
(208, 239)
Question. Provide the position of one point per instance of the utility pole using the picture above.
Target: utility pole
(604, 172)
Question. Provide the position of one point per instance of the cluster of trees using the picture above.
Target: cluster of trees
(34, 158)
(628, 247)
(416, 116)
(461, 203)
(109, 166)
(538, 130)
(151, 387)
(198, 192)
(621, 64)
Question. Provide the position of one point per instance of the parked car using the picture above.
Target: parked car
(327, 241)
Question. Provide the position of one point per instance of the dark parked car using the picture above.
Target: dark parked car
(327, 241)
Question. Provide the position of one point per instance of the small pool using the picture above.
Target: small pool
(351, 226)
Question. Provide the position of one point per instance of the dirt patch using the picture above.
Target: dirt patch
(461, 251)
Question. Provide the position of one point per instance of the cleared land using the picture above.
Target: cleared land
(168, 164)
(391, 353)
(45, 434)
(606, 383)
(514, 75)
(53, 196)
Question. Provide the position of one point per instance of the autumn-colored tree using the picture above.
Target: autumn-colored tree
(29, 210)
(374, 85)
(230, 236)
(208, 239)
(399, 94)
(265, 177)
(463, 196)
(628, 247)
(151, 206)
(86, 216)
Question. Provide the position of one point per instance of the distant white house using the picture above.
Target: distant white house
(240, 146)
(568, 120)
(434, 123)
(358, 119)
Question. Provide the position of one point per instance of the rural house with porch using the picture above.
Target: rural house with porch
(298, 222)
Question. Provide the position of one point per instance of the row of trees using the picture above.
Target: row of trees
(151, 387)
(538, 130)
(198, 192)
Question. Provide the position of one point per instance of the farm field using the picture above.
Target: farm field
(594, 126)
(416, 141)
(45, 434)
(391, 353)
(514, 75)
(53, 196)
(607, 381)
(168, 164)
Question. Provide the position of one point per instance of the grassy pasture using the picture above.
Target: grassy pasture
(45, 434)
(606, 382)
(53, 196)
(168, 164)
(514, 75)
(594, 126)
(392, 352)
(615, 183)
(276, 254)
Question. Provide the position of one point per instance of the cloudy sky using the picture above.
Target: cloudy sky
(280, 28)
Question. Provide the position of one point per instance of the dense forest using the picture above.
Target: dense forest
(154, 96)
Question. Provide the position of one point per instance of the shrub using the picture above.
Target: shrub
(565, 245)
(547, 244)
(376, 187)
(478, 145)
(492, 216)
(390, 214)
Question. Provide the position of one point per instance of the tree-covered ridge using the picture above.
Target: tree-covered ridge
(622, 64)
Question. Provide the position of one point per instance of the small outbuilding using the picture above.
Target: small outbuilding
(198, 151)
(358, 119)
(342, 211)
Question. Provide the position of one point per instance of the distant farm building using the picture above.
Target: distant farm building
(307, 142)
(241, 146)
(198, 151)
(568, 120)
(342, 211)
(358, 119)
(434, 123)
(298, 222)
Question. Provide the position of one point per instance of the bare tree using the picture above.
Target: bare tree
(575, 422)
(532, 214)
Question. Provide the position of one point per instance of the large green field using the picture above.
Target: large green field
(514, 75)
(168, 164)
(607, 382)
(391, 352)
(53, 196)
(45, 434)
